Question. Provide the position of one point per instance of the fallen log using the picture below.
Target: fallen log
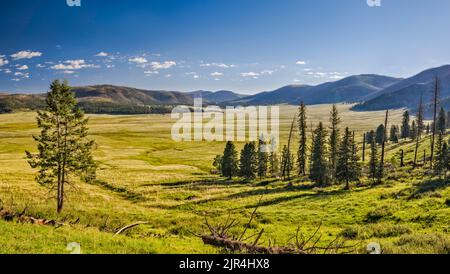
(128, 227)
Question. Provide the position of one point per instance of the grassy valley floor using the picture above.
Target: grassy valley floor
(145, 176)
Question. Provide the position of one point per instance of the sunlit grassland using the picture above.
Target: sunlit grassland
(145, 176)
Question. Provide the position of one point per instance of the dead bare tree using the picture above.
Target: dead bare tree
(283, 174)
(433, 136)
(219, 236)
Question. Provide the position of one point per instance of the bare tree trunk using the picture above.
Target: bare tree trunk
(364, 148)
(417, 146)
(383, 144)
(436, 93)
(289, 150)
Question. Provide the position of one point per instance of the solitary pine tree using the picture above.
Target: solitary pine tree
(347, 163)
(319, 165)
(334, 140)
(287, 161)
(262, 158)
(229, 164)
(373, 164)
(249, 162)
(65, 153)
(405, 130)
(302, 148)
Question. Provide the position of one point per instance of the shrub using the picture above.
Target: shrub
(378, 214)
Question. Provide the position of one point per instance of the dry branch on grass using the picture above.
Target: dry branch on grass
(219, 236)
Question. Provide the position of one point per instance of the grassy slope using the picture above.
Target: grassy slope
(147, 177)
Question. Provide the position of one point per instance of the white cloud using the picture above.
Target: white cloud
(68, 72)
(102, 54)
(307, 69)
(297, 80)
(73, 65)
(26, 54)
(22, 74)
(110, 66)
(300, 62)
(40, 66)
(7, 71)
(268, 72)
(168, 75)
(250, 74)
(3, 61)
(150, 72)
(163, 65)
(215, 74)
(15, 79)
(219, 65)
(193, 74)
(138, 60)
(24, 67)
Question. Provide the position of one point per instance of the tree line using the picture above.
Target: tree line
(332, 157)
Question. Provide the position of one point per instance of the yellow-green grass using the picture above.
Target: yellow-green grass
(145, 176)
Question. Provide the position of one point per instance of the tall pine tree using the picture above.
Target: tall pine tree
(334, 140)
(348, 168)
(229, 163)
(405, 129)
(287, 161)
(65, 153)
(302, 148)
(319, 172)
(248, 167)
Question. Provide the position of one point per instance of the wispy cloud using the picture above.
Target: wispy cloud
(219, 65)
(26, 54)
(24, 67)
(102, 54)
(300, 62)
(163, 65)
(138, 60)
(73, 65)
(250, 74)
(3, 60)
(216, 74)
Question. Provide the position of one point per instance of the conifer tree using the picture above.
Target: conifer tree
(274, 164)
(393, 136)
(65, 153)
(319, 172)
(405, 129)
(373, 164)
(334, 140)
(229, 163)
(287, 161)
(248, 167)
(420, 119)
(379, 135)
(348, 168)
(414, 130)
(262, 158)
(302, 148)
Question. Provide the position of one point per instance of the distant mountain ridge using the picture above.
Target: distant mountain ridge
(216, 97)
(348, 90)
(406, 93)
(367, 91)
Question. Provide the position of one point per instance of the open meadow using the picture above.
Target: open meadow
(145, 176)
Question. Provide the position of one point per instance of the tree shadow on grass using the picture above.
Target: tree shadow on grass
(428, 187)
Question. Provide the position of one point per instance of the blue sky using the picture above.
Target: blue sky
(242, 45)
